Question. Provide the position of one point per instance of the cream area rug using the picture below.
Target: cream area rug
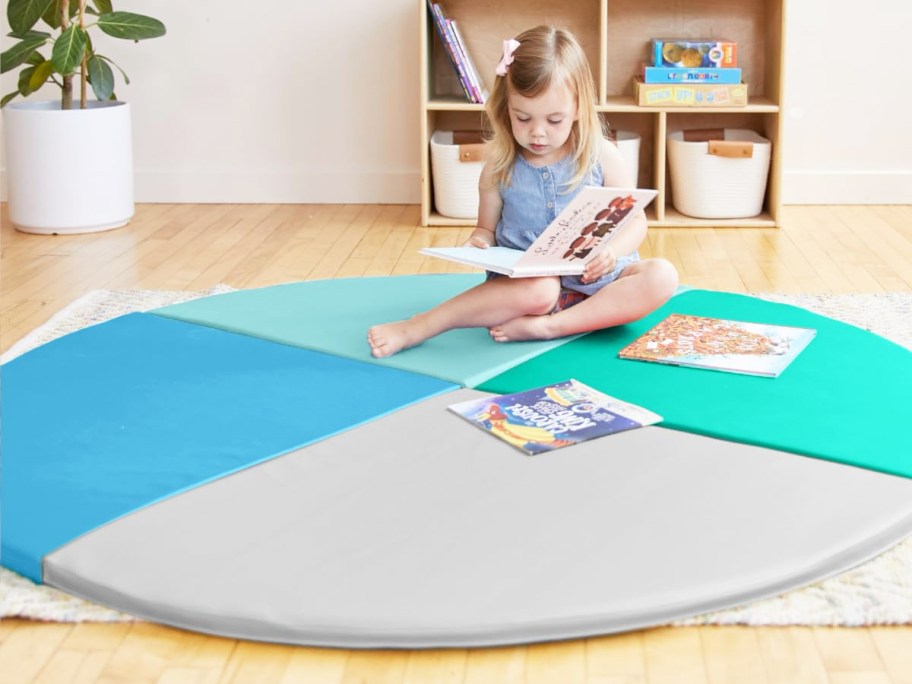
(878, 592)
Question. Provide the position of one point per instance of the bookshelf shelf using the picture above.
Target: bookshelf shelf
(444, 105)
(614, 35)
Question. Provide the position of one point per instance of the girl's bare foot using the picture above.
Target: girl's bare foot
(388, 338)
(524, 328)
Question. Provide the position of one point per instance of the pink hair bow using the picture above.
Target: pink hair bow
(509, 47)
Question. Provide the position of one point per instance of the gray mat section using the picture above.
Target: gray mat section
(419, 530)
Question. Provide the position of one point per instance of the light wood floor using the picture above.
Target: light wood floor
(193, 247)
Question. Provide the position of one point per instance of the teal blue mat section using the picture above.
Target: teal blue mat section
(333, 316)
(117, 416)
(846, 398)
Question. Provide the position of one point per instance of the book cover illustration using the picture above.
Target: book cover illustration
(569, 242)
(553, 416)
(720, 344)
(653, 74)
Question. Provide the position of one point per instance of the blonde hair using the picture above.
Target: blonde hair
(545, 55)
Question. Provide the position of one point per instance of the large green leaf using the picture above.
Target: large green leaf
(21, 51)
(116, 66)
(101, 77)
(40, 75)
(68, 49)
(23, 14)
(103, 6)
(35, 58)
(8, 97)
(130, 26)
(25, 77)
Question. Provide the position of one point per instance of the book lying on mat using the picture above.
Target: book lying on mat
(569, 242)
(554, 416)
(720, 344)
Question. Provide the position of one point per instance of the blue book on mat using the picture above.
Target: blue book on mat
(553, 416)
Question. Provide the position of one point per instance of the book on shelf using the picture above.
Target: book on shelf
(720, 344)
(689, 94)
(454, 47)
(654, 74)
(585, 226)
(553, 416)
(694, 52)
(481, 93)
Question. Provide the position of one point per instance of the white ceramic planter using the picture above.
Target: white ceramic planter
(68, 171)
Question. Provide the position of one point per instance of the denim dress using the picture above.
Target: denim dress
(534, 198)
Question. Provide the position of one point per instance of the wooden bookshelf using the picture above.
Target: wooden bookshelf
(614, 34)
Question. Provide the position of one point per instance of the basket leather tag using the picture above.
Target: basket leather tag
(471, 153)
(471, 145)
(738, 149)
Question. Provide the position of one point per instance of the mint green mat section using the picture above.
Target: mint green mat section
(333, 316)
(845, 398)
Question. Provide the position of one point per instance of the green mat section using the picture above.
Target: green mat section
(333, 316)
(846, 398)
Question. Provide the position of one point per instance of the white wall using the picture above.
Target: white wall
(848, 97)
(278, 101)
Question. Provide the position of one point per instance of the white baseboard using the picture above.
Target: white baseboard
(847, 187)
(277, 187)
(214, 187)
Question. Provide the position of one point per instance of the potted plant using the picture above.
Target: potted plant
(69, 162)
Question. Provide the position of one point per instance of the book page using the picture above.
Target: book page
(497, 259)
(585, 225)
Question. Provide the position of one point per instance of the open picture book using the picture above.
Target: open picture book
(569, 242)
(720, 344)
(553, 416)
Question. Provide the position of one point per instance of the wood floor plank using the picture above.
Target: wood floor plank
(674, 656)
(732, 654)
(562, 661)
(845, 650)
(310, 240)
(860, 678)
(256, 663)
(618, 656)
(315, 666)
(376, 667)
(894, 646)
(29, 649)
(436, 666)
(790, 656)
(506, 665)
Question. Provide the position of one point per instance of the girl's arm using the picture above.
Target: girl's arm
(628, 238)
(490, 206)
(617, 175)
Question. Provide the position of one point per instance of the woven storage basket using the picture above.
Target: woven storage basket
(722, 174)
(456, 163)
(629, 145)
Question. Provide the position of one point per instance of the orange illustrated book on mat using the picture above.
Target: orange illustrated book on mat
(719, 344)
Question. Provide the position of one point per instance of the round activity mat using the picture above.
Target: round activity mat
(224, 467)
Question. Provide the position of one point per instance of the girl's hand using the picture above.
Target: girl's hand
(603, 263)
(481, 239)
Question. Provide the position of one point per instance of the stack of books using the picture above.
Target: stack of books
(454, 45)
(691, 72)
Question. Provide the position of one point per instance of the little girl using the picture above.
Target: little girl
(548, 143)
